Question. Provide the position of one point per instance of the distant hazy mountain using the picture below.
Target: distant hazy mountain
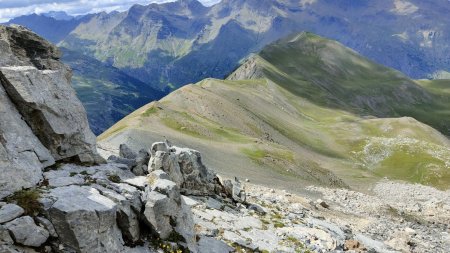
(49, 27)
(306, 110)
(170, 45)
(58, 15)
(176, 43)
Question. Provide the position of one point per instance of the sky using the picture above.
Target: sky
(13, 8)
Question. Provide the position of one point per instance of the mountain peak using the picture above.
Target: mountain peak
(58, 15)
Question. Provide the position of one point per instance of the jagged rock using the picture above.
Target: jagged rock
(137, 163)
(42, 119)
(65, 181)
(39, 85)
(25, 232)
(235, 190)
(157, 174)
(129, 209)
(322, 203)
(208, 244)
(130, 163)
(214, 204)
(15, 249)
(9, 212)
(5, 238)
(184, 167)
(22, 156)
(47, 225)
(142, 159)
(85, 220)
(168, 214)
(126, 152)
(257, 208)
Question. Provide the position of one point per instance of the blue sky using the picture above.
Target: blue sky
(13, 8)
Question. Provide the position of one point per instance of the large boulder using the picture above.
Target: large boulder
(38, 85)
(22, 155)
(42, 120)
(168, 214)
(9, 212)
(136, 162)
(185, 167)
(84, 219)
(26, 232)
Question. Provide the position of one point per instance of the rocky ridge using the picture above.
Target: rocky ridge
(108, 208)
(43, 122)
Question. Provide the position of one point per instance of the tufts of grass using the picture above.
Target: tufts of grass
(114, 178)
(152, 110)
(278, 224)
(28, 200)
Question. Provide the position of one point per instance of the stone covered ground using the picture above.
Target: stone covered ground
(183, 206)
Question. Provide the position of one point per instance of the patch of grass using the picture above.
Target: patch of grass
(72, 174)
(114, 178)
(84, 173)
(175, 237)
(278, 224)
(257, 154)
(241, 249)
(181, 126)
(152, 110)
(28, 200)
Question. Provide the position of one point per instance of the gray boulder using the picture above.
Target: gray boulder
(9, 212)
(39, 85)
(168, 214)
(142, 159)
(235, 190)
(43, 222)
(128, 212)
(22, 155)
(42, 120)
(136, 162)
(26, 232)
(5, 238)
(184, 167)
(209, 244)
(84, 219)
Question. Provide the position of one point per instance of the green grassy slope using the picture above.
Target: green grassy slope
(305, 110)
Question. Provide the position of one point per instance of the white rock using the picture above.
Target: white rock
(85, 220)
(26, 232)
(208, 244)
(9, 212)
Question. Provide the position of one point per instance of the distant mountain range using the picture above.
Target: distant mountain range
(170, 45)
(306, 110)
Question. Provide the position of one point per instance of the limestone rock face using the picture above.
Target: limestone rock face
(168, 214)
(136, 162)
(26, 232)
(10, 212)
(42, 120)
(85, 220)
(22, 155)
(184, 167)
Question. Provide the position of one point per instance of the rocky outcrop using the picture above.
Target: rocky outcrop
(26, 232)
(137, 162)
(84, 219)
(42, 120)
(167, 212)
(185, 167)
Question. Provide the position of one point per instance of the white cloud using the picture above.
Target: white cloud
(13, 8)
